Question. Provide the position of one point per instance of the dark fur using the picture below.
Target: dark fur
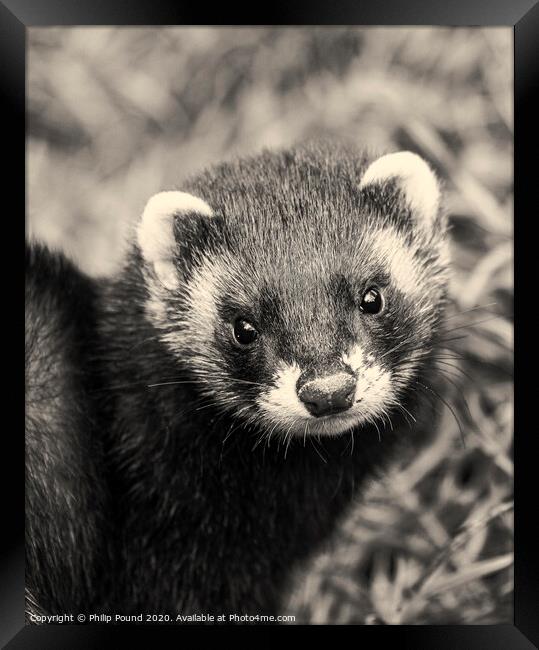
(202, 521)
(65, 489)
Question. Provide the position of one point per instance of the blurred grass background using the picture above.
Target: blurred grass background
(116, 114)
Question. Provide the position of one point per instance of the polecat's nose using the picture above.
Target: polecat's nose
(328, 395)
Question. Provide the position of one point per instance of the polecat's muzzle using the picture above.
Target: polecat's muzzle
(328, 395)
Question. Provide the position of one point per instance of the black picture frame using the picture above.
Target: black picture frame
(523, 16)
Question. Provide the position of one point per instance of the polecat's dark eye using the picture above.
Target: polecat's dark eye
(244, 332)
(372, 302)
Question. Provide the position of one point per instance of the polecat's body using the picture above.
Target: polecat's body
(66, 495)
(260, 338)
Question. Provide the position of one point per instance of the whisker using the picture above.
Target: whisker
(406, 411)
(480, 322)
(454, 367)
(448, 406)
(289, 434)
(463, 399)
(314, 447)
(172, 383)
(244, 381)
(467, 311)
(378, 430)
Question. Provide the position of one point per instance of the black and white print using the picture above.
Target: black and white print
(269, 310)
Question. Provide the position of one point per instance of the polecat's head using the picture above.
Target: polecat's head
(302, 289)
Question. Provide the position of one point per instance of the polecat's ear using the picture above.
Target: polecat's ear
(155, 232)
(413, 177)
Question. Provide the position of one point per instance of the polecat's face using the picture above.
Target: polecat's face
(307, 310)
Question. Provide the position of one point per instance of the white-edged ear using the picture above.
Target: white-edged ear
(155, 232)
(413, 176)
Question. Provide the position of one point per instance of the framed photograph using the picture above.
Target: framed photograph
(269, 315)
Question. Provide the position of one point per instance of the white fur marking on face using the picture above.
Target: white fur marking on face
(166, 272)
(155, 232)
(415, 178)
(399, 259)
(374, 390)
(192, 326)
(282, 400)
(355, 358)
(201, 309)
(285, 412)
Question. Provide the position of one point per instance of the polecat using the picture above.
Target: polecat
(255, 360)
